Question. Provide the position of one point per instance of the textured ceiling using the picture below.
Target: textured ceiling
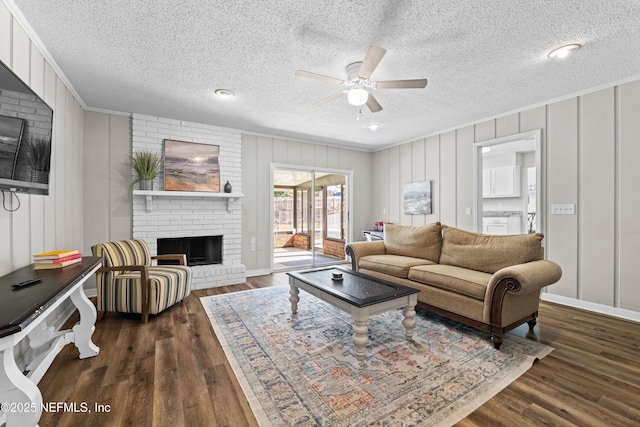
(482, 58)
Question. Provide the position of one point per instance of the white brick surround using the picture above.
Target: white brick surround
(193, 216)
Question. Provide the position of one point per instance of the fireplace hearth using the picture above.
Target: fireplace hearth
(203, 250)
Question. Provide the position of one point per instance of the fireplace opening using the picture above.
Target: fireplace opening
(199, 250)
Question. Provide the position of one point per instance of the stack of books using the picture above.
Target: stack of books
(56, 259)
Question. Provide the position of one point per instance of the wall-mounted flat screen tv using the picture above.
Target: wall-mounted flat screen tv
(26, 123)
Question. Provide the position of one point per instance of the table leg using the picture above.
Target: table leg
(360, 333)
(21, 399)
(83, 330)
(294, 298)
(409, 321)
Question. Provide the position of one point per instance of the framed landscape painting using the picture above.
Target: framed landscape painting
(417, 198)
(191, 166)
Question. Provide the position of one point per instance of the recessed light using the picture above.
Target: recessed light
(564, 51)
(373, 127)
(225, 93)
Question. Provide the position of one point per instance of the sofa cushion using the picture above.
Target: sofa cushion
(488, 253)
(419, 242)
(393, 265)
(460, 280)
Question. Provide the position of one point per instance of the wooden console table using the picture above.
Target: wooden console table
(23, 313)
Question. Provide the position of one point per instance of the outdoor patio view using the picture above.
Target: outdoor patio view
(293, 243)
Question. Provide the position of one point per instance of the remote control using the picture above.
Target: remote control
(26, 283)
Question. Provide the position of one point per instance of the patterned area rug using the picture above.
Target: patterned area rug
(302, 371)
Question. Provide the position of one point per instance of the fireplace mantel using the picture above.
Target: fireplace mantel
(149, 195)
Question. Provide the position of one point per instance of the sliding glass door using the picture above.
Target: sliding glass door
(310, 212)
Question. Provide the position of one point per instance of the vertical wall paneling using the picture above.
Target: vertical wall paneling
(507, 125)
(404, 165)
(628, 200)
(5, 34)
(49, 219)
(69, 174)
(6, 260)
(485, 130)
(448, 174)
(597, 199)
(59, 166)
(395, 203)
(381, 191)
(20, 224)
(107, 200)
(562, 146)
(464, 180)
(249, 201)
(263, 194)
(432, 172)
(417, 173)
(589, 157)
(40, 223)
(97, 182)
(333, 157)
(37, 203)
(120, 198)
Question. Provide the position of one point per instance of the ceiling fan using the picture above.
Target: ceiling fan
(359, 84)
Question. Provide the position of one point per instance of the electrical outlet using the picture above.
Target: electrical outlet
(565, 209)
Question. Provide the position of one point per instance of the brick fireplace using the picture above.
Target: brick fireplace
(175, 214)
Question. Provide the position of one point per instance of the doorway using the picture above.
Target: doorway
(507, 184)
(310, 212)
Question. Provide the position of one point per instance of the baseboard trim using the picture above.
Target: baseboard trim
(592, 306)
(261, 272)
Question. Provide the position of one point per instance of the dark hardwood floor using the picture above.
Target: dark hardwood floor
(172, 372)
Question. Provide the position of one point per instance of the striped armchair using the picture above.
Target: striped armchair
(129, 283)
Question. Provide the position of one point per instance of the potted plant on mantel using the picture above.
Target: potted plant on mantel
(146, 165)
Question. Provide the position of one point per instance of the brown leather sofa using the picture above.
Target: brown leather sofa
(489, 282)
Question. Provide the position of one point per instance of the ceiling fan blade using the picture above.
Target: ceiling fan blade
(321, 77)
(371, 60)
(373, 105)
(330, 98)
(402, 84)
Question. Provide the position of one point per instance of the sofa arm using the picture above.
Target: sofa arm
(532, 276)
(357, 250)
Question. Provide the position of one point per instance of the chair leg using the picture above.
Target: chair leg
(102, 315)
(145, 314)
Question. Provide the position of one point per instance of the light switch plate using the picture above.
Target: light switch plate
(564, 209)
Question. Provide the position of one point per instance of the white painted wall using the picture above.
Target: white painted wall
(43, 223)
(107, 196)
(590, 156)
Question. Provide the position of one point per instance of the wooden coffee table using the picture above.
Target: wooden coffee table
(360, 295)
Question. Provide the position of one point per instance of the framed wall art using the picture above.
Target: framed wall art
(417, 198)
(191, 166)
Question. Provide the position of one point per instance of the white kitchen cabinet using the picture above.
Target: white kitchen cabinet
(503, 181)
(501, 225)
(491, 225)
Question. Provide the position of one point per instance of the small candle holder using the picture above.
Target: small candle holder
(336, 277)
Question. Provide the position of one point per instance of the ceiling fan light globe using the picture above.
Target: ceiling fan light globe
(357, 97)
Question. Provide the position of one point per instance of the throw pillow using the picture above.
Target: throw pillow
(488, 253)
(419, 242)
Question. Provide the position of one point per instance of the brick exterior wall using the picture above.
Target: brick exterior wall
(333, 248)
(173, 216)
